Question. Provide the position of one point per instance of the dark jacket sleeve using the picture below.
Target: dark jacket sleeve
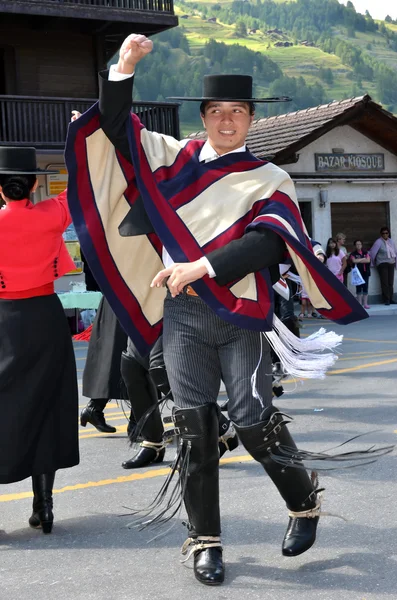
(115, 100)
(255, 250)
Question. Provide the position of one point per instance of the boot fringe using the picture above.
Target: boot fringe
(169, 499)
(288, 456)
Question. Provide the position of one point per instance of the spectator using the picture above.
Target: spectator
(341, 241)
(383, 255)
(361, 259)
(336, 259)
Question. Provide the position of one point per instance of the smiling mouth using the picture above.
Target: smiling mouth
(227, 131)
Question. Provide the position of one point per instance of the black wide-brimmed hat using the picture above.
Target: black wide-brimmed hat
(15, 160)
(229, 88)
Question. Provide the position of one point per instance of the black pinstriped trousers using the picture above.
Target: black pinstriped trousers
(200, 349)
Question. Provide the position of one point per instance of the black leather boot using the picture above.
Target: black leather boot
(198, 429)
(262, 441)
(142, 395)
(42, 515)
(93, 413)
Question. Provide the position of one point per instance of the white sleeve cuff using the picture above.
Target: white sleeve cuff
(116, 76)
(208, 266)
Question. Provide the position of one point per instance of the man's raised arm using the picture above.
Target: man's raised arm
(115, 91)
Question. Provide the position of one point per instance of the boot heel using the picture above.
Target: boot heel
(46, 526)
(83, 420)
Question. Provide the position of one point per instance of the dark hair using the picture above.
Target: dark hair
(17, 187)
(355, 242)
(384, 230)
(329, 251)
(205, 103)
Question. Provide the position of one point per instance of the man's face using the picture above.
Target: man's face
(385, 234)
(227, 125)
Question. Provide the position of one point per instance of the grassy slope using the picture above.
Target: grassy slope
(294, 61)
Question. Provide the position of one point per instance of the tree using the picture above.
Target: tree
(388, 19)
(241, 28)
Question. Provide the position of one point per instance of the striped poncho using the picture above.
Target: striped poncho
(193, 208)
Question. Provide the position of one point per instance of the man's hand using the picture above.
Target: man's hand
(75, 115)
(133, 49)
(179, 275)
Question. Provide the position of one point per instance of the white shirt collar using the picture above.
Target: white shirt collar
(208, 153)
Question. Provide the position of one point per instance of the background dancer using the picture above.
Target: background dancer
(38, 380)
(102, 379)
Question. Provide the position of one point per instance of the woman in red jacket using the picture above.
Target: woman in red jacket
(38, 383)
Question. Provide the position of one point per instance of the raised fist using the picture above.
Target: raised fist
(133, 49)
(75, 115)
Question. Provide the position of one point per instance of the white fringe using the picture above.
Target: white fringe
(299, 357)
(294, 277)
(255, 391)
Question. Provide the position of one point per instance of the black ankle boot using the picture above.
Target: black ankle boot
(198, 430)
(93, 413)
(301, 533)
(262, 441)
(209, 567)
(149, 453)
(42, 515)
(208, 559)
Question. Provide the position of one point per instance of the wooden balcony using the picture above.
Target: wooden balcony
(43, 122)
(86, 9)
(106, 18)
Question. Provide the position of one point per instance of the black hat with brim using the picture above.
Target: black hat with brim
(228, 88)
(16, 160)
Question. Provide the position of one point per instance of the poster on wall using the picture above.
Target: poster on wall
(74, 251)
(56, 182)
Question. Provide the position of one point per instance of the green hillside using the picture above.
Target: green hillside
(313, 50)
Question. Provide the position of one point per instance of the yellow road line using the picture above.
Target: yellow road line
(366, 366)
(122, 479)
(366, 356)
(379, 352)
(346, 339)
(92, 432)
(95, 433)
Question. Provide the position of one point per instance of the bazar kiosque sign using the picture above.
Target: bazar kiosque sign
(349, 162)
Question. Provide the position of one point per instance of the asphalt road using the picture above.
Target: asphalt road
(92, 554)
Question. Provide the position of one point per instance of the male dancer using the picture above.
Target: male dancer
(223, 216)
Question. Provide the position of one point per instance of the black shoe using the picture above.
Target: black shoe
(209, 567)
(147, 455)
(225, 444)
(387, 303)
(300, 535)
(42, 516)
(93, 413)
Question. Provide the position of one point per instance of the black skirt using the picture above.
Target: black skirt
(102, 377)
(38, 389)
